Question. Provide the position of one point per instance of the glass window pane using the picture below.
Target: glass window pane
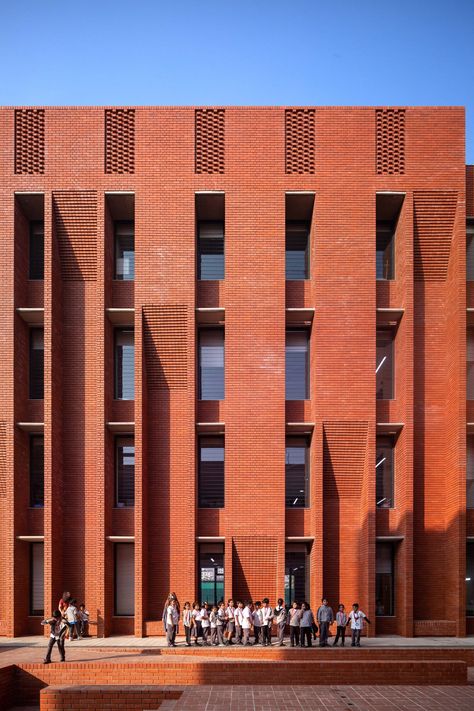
(124, 251)
(470, 472)
(211, 364)
(211, 472)
(384, 250)
(297, 380)
(295, 576)
(36, 364)
(384, 365)
(36, 265)
(37, 579)
(297, 473)
(211, 250)
(37, 471)
(470, 252)
(470, 364)
(125, 468)
(124, 579)
(384, 595)
(211, 572)
(297, 241)
(470, 580)
(384, 460)
(124, 364)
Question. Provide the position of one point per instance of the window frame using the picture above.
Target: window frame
(32, 438)
(307, 252)
(116, 613)
(392, 332)
(125, 329)
(393, 547)
(32, 611)
(307, 332)
(117, 440)
(33, 225)
(393, 231)
(199, 252)
(208, 329)
(201, 438)
(32, 331)
(392, 440)
(307, 474)
(116, 224)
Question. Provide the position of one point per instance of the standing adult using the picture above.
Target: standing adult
(325, 618)
(356, 620)
(280, 615)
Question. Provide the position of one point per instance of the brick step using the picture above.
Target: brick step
(99, 697)
(29, 679)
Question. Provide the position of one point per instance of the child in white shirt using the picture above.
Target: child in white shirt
(257, 622)
(356, 620)
(238, 621)
(213, 624)
(247, 619)
(267, 621)
(197, 620)
(187, 622)
(172, 619)
(205, 623)
(221, 620)
(230, 616)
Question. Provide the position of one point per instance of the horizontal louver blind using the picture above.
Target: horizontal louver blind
(125, 457)
(296, 475)
(124, 579)
(125, 251)
(211, 250)
(296, 365)
(211, 356)
(297, 250)
(124, 365)
(211, 472)
(37, 579)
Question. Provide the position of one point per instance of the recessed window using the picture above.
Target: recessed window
(388, 207)
(470, 579)
(470, 364)
(470, 250)
(296, 573)
(297, 250)
(36, 251)
(470, 472)
(37, 579)
(124, 579)
(211, 364)
(36, 364)
(385, 580)
(297, 364)
(124, 364)
(384, 364)
(37, 471)
(211, 572)
(211, 250)
(124, 250)
(125, 471)
(296, 473)
(211, 472)
(384, 470)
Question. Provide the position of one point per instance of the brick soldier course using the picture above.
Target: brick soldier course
(84, 168)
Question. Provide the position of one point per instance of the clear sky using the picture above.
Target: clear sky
(331, 52)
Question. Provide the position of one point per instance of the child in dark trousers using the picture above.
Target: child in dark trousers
(58, 632)
(341, 622)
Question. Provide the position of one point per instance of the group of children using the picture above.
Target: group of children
(223, 624)
(67, 622)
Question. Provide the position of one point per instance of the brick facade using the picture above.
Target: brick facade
(76, 158)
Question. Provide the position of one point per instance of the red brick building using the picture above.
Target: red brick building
(154, 262)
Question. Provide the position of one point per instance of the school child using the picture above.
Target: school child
(306, 624)
(221, 621)
(238, 621)
(325, 619)
(71, 619)
(280, 616)
(205, 623)
(83, 617)
(213, 624)
(267, 621)
(341, 622)
(187, 622)
(294, 617)
(197, 626)
(172, 619)
(230, 616)
(257, 619)
(57, 635)
(247, 619)
(356, 620)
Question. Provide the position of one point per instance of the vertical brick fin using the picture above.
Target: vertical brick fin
(210, 140)
(299, 141)
(165, 333)
(120, 141)
(29, 141)
(75, 225)
(3, 460)
(254, 560)
(435, 211)
(344, 453)
(390, 141)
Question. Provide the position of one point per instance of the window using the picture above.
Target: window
(384, 461)
(384, 365)
(211, 572)
(384, 250)
(36, 471)
(297, 252)
(470, 250)
(384, 580)
(124, 579)
(470, 472)
(36, 262)
(297, 376)
(470, 364)
(296, 573)
(211, 472)
(124, 250)
(124, 364)
(211, 250)
(470, 579)
(37, 579)
(297, 473)
(125, 471)
(211, 364)
(36, 364)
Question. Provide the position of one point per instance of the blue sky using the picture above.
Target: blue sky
(355, 52)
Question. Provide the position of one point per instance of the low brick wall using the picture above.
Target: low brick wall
(31, 678)
(6, 686)
(100, 698)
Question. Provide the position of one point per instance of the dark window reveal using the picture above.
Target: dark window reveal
(124, 250)
(297, 376)
(211, 472)
(125, 468)
(384, 365)
(36, 364)
(211, 364)
(296, 473)
(384, 460)
(37, 471)
(297, 252)
(211, 250)
(384, 580)
(124, 364)
(36, 262)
